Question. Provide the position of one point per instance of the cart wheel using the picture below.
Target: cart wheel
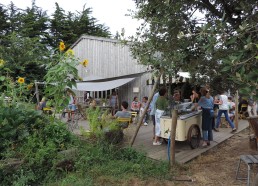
(194, 136)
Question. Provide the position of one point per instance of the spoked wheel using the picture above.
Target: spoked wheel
(194, 136)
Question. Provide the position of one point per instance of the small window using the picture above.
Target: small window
(104, 94)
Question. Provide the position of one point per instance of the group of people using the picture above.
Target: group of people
(71, 107)
(201, 100)
(156, 109)
(136, 106)
(207, 102)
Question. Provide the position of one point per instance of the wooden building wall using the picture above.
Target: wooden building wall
(109, 58)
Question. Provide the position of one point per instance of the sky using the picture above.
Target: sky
(108, 12)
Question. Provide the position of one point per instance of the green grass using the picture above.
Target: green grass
(98, 164)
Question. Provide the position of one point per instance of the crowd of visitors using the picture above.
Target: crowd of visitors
(213, 109)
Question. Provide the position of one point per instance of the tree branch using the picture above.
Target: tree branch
(243, 62)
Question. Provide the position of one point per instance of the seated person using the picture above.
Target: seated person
(93, 104)
(42, 104)
(136, 105)
(123, 114)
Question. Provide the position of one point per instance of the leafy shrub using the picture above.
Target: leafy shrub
(103, 127)
(36, 139)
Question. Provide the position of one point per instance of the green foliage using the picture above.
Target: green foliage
(24, 53)
(62, 74)
(35, 139)
(100, 123)
(213, 40)
(105, 160)
(28, 37)
(70, 26)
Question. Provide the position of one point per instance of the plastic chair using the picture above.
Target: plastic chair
(125, 120)
(48, 110)
(134, 116)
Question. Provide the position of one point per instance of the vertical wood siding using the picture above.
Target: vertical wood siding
(109, 58)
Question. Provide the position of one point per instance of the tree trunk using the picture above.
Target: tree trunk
(145, 109)
(37, 92)
(236, 110)
(172, 138)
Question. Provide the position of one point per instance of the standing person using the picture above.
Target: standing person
(194, 97)
(161, 105)
(143, 105)
(232, 107)
(252, 107)
(71, 105)
(223, 108)
(113, 102)
(136, 105)
(153, 111)
(206, 103)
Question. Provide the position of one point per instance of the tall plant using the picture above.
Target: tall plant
(62, 74)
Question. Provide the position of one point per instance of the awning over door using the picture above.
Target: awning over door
(101, 86)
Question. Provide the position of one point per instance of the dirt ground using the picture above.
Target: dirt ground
(214, 168)
(218, 166)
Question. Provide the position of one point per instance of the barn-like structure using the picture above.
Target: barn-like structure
(111, 67)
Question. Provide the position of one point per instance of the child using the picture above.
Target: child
(143, 105)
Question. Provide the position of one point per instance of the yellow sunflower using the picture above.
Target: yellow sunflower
(85, 62)
(69, 52)
(2, 62)
(61, 46)
(21, 80)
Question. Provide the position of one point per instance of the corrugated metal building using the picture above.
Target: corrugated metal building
(108, 58)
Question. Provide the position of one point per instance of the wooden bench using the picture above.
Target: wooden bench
(249, 160)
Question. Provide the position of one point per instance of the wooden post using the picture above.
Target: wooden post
(173, 137)
(236, 110)
(145, 110)
(37, 92)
